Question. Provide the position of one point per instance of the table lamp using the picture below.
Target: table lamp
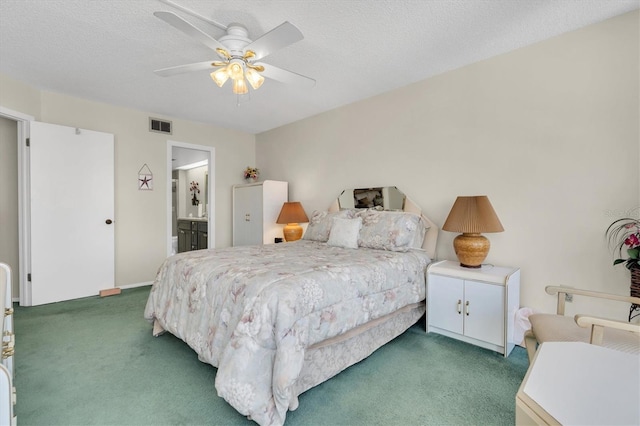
(292, 214)
(472, 216)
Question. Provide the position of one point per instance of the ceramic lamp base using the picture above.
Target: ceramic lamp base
(292, 232)
(471, 249)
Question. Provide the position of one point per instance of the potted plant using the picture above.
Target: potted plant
(624, 234)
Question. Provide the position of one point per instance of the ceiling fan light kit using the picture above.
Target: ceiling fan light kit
(237, 70)
(254, 79)
(238, 53)
(220, 76)
(240, 87)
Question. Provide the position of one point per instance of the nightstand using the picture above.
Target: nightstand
(475, 305)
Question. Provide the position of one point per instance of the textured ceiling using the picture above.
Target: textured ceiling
(107, 50)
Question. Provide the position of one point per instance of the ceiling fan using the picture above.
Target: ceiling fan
(238, 55)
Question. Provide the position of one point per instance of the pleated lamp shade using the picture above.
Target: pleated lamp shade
(472, 216)
(292, 214)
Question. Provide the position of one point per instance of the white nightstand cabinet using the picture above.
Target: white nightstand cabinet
(477, 306)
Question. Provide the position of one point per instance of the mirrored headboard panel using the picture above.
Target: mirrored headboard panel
(383, 198)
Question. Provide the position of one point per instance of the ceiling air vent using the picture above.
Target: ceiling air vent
(160, 126)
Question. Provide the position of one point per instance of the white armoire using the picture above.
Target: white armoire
(256, 207)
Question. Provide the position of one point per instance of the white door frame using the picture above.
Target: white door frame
(24, 248)
(210, 189)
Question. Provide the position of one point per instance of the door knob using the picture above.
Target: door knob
(108, 221)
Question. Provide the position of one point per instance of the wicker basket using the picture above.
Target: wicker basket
(635, 282)
(635, 292)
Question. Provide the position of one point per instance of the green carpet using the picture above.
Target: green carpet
(93, 361)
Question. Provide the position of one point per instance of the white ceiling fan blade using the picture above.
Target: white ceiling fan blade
(287, 77)
(184, 26)
(181, 69)
(279, 37)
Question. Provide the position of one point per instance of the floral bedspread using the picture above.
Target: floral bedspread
(251, 311)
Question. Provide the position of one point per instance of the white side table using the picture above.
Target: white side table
(576, 383)
(475, 305)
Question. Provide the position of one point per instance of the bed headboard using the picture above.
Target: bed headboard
(431, 236)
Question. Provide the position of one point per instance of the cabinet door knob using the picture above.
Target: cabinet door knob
(459, 306)
(467, 308)
(108, 221)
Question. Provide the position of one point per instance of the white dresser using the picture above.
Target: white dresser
(256, 207)
(476, 306)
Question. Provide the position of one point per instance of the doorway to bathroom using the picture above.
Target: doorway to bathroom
(190, 197)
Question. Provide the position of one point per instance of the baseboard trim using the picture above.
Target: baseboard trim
(135, 285)
(121, 287)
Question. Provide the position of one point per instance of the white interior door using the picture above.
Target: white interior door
(72, 211)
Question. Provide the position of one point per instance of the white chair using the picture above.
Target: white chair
(620, 335)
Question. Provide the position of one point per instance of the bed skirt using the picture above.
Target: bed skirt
(328, 358)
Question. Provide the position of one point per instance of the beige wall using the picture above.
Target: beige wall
(549, 132)
(19, 97)
(140, 216)
(9, 198)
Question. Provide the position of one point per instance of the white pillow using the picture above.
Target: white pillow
(344, 233)
(320, 224)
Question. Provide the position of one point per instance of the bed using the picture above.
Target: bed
(279, 319)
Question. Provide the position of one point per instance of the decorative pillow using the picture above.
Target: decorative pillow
(320, 224)
(344, 233)
(386, 230)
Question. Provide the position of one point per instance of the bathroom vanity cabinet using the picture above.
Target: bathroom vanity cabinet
(192, 234)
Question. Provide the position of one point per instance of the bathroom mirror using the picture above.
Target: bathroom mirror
(206, 190)
(382, 198)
